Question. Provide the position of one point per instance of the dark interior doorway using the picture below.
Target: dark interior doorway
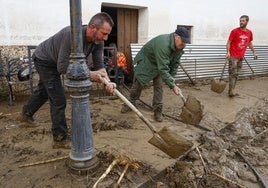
(125, 30)
(113, 13)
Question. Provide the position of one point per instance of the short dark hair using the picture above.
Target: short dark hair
(245, 16)
(99, 18)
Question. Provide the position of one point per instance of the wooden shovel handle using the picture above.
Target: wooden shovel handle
(222, 72)
(182, 97)
(187, 74)
(130, 105)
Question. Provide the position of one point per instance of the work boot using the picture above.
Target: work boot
(27, 120)
(61, 143)
(126, 108)
(232, 83)
(158, 114)
(232, 94)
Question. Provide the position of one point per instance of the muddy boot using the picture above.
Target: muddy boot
(158, 114)
(61, 143)
(27, 120)
(232, 83)
(231, 93)
(126, 109)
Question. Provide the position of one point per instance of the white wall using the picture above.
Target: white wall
(29, 22)
(25, 22)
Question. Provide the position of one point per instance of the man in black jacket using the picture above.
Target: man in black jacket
(51, 59)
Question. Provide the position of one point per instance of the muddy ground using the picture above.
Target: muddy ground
(229, 128)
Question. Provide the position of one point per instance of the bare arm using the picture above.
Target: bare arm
(250, 45)
(228, 49)
(97, 75)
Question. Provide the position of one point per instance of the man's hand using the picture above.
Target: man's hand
(176, 90)
(110, 87)
(95, 76)
(227, 55)
(255, 55)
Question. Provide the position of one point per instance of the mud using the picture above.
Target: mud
(228, 126)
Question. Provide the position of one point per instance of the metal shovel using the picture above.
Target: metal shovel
(192, 111)
(166, 139)
(219, 86)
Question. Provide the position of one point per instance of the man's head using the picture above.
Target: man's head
(182, 37)
(99, 27)
(112, 50)
(243, 21)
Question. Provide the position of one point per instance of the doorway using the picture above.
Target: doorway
(125, 30)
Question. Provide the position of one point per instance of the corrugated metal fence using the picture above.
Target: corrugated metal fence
(207, 61)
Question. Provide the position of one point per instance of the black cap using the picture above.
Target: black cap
(112, 45)
(183, 33)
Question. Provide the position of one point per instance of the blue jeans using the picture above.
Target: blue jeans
(49, 88)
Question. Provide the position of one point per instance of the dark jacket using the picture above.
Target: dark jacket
(158, 56)
(57, 49)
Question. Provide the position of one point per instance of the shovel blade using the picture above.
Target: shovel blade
(192, 111)
(170, 142)
(218, 86)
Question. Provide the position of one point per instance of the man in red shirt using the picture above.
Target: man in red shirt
(239, 39)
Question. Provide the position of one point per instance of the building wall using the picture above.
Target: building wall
(29, 22)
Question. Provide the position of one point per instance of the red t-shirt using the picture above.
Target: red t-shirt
(239, 42)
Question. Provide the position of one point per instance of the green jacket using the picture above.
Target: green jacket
(158, 56)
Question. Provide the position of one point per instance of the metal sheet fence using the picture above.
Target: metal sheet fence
(207, 61)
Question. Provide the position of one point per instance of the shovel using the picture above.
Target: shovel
(192, 111)
(218, 86)
(166, 139)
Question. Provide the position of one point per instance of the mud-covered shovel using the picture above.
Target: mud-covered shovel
(219, 85)
(192, 111)
(166, 139)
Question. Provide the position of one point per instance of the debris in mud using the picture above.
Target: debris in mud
(219, 144)
(109, 122)
(247, 134)
(118, 169)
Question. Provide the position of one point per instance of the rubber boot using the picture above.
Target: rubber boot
(232, 83)
(158, 114)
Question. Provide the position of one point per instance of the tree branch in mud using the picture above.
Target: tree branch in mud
(106, 172)
(44, 162)
(122, 175)
(207, 170)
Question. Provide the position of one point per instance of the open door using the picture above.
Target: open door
(125, 30)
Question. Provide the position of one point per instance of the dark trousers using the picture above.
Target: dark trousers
(136, 89)
(49, 87)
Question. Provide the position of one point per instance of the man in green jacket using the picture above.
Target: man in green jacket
(158, 60)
